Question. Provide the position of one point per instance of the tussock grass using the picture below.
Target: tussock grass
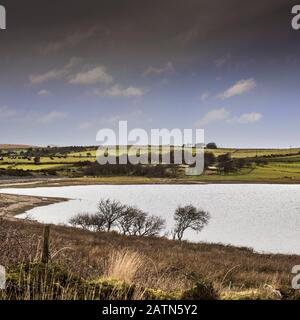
(123, 265)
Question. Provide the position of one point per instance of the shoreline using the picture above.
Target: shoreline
(12, 205)
(127, 180)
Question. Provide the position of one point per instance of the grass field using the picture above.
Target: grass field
(275, 172)
(283, 165)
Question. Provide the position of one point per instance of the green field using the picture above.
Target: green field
(274, 172)
(282, 165)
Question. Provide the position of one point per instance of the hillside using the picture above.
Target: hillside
(14, 146)
(246, 166)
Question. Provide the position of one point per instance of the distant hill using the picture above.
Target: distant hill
(14, 146)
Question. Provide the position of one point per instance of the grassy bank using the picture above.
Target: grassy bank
(86, 265)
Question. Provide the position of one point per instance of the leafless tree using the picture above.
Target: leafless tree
(127, 222)
(97, 222)
(189, 217)
(92, 222)
(110, 211)
(148, 226)
(81, 220)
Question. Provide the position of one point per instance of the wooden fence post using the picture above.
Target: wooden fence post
(46, 245)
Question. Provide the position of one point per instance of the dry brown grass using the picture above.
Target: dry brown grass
(155, 263)
(123, 265)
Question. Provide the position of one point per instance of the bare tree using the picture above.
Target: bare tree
(110, 211)
(97, 222)
(148, 226)
(81, 220)
(92, 222)
(189, 217)
(127, 222)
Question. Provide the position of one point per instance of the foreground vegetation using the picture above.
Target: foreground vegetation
(107, 265)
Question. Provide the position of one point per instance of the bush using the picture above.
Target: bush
(202, 290)
(111, 289)
(152, 294)
(212, 145)
(289, 294)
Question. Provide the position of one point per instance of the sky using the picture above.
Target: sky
(70, 68)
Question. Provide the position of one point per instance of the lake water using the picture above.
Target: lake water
(263, 217)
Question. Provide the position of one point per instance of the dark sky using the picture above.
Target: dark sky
(69, 68)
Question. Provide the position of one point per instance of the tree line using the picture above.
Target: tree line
(129, 220)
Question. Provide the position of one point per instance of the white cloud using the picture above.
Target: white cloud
(6, 112)
(50, 75)
(43, 93)
(248, 118)
(117, 91)
(92, 76)
(54, 74)
(53, 116)
(168, 67)
(239, 88)
(222, 115)
(213, 116)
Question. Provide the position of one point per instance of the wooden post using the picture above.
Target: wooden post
(46, 245)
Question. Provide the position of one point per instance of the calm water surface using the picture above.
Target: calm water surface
(264, 217)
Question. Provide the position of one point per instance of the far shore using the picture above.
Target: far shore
(131, 180)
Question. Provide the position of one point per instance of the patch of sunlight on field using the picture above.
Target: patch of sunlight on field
(236, 153)
(31, 167)
(270, 172)
(47, 160)
(250, 153)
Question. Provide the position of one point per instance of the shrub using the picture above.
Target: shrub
(255, 294)
(202, 290)
(152, 294)
(110, 289)
(289, 294)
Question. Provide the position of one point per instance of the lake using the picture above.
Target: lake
(263, 217)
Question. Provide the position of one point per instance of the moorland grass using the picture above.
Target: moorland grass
(83, 264)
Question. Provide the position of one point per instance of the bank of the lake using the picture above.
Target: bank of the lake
(12, 204)
(260, 216)
(132, 180)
